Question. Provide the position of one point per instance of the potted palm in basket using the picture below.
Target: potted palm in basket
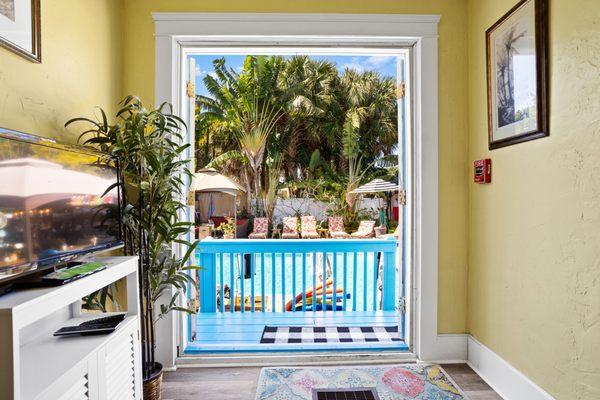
(147, 144)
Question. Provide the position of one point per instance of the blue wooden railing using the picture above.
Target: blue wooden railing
(245, 275)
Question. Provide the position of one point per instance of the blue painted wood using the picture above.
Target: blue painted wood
(389, 275)
(314, 286)
(289, 251)
(293, 281)
(252, 267)
(335, 283)
(262, 283)
(221, 283)
(241, 332)
(231, 284)
(240, 263)
(303, 282)
(354, 280)
(365, 281)
(210, 245)
(208, 282)
(345, 285)
(324, 278)
(283, 258)
(273, 277)
(375, 278)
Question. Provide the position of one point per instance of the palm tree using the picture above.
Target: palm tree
(301, 111)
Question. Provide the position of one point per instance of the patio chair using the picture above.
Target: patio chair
(261, 229)
(336, 228)
(309, 227)
(365, 230)
(290, 228)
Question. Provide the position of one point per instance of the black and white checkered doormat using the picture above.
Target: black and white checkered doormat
(330, 334)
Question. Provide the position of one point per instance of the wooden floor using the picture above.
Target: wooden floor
(235, 332)
(240, 383)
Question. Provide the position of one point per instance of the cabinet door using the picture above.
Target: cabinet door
(80, 383)
(120, 367)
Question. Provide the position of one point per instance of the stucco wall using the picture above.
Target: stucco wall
(139, 79)
(534, 254)
(80, 69)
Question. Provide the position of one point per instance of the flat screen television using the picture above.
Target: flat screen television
(57, 203)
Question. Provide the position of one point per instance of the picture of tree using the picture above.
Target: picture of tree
(7, 8)
(505, 76)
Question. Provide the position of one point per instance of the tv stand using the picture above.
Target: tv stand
(37, 365)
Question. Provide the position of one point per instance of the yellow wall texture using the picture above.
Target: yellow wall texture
(534, 254)
(139, 79)
(80, 69)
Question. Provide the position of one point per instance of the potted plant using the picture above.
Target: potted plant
(147, 145)
(228, 228)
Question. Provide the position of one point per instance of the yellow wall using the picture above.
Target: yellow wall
(139, 79)
(534, 254)
(80, 69)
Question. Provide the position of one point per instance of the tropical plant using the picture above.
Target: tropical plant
(227, 227)
(329, 126)
(147, 145)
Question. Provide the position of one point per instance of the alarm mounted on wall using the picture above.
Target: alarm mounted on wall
(482, 171)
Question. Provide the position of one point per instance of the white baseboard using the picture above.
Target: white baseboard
(505, 379)
(448, 348)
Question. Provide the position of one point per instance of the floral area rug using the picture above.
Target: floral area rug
(402, 382)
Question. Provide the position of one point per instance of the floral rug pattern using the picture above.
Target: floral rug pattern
(396, 382)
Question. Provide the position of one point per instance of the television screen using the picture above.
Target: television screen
(56, 202)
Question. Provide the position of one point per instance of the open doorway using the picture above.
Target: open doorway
(339, 131)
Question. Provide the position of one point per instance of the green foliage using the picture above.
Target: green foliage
(325, 119)
(148, 146)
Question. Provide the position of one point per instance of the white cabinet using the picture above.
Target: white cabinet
(41, 366)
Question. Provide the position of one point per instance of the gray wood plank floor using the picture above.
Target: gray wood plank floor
(240, 383)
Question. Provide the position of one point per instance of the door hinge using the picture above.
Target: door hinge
(402, 305)
(402, 197)
(400, 90)
(190, 89)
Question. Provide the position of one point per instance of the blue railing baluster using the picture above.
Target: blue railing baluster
(231, 284)
(324, 280)
(221, 282)
(314, 293)
(252, 264)
(273, 278)
(354, 280)
(303, 281)
(262, 283)
(283, 282)
(334, 291)
(293, 282)
(375, 275)
(345, 284)
(365, 281)
(241, 265)
(214, 256)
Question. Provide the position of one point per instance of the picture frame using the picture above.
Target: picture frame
(20, 28)
(517, 75)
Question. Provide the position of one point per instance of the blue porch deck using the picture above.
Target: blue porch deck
(241, 332)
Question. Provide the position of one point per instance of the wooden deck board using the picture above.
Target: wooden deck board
(231, 332)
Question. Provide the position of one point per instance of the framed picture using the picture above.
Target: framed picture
(517, 75)
(20, 29)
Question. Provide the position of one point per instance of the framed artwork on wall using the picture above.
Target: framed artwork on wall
(20, 28)
(517, 75)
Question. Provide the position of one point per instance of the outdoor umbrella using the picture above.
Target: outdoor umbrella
(209, 180)
(378, 186)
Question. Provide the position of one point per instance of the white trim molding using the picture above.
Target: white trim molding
(180, 34)
(506, 380)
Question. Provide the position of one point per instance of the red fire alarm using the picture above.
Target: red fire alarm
(482, 171)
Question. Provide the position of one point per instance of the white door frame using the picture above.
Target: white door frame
(177, 33)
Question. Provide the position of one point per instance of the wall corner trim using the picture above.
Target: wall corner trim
(506, 380)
